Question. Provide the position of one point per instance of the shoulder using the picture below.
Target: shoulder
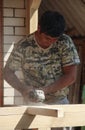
(65, 38)
(65, 41)
(25, 42)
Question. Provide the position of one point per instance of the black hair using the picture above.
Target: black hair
(52, 23)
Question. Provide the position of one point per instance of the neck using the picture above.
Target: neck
(39, 41)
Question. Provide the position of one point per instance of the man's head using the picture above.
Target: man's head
(52, 24)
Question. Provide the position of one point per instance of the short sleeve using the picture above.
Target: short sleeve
(69, 54)
(15, 59)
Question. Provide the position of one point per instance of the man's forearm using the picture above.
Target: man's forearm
(12, 79)
(68, 78)
(63, 82)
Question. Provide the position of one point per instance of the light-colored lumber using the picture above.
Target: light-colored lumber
(45, 110)
(32, 15)
(74, 115)
(42, 111)
(20, 117)
(10, 117)
(44, 128)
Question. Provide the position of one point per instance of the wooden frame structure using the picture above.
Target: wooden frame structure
(42, 117)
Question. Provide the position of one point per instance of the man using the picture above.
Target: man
(47, 59)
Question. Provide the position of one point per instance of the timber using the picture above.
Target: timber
(1, 53)
(32, 15)
(31, 117)
(45, 111)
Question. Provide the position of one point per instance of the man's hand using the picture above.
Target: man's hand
(36, 95)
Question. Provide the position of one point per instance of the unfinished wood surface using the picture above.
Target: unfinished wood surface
(44, 128)
(45, 110)
(35, 4)
(74, 115)
(18, 117)
(1, 52)
(42, 111)
(32, 15)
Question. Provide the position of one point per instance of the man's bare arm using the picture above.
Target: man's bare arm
(12, 79)
(67, 79)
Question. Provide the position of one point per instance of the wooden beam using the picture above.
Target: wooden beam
(74, 115)
(18, 117)
(35, 4)
(44, 111)
(1, 52)
(32, 15)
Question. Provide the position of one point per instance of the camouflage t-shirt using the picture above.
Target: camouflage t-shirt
(41, 67)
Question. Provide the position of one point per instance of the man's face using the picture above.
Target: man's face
(46, 40)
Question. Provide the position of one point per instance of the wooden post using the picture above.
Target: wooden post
(32, 15)
(1, 54)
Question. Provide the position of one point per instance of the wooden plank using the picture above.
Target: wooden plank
(35, 4)
(74, 115)
(45, 111)
(18, 117)
(10, 117)
(42, 111)
(1, 52)
(44, 128)
(32, 15)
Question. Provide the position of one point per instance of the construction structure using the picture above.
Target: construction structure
(24, 15)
